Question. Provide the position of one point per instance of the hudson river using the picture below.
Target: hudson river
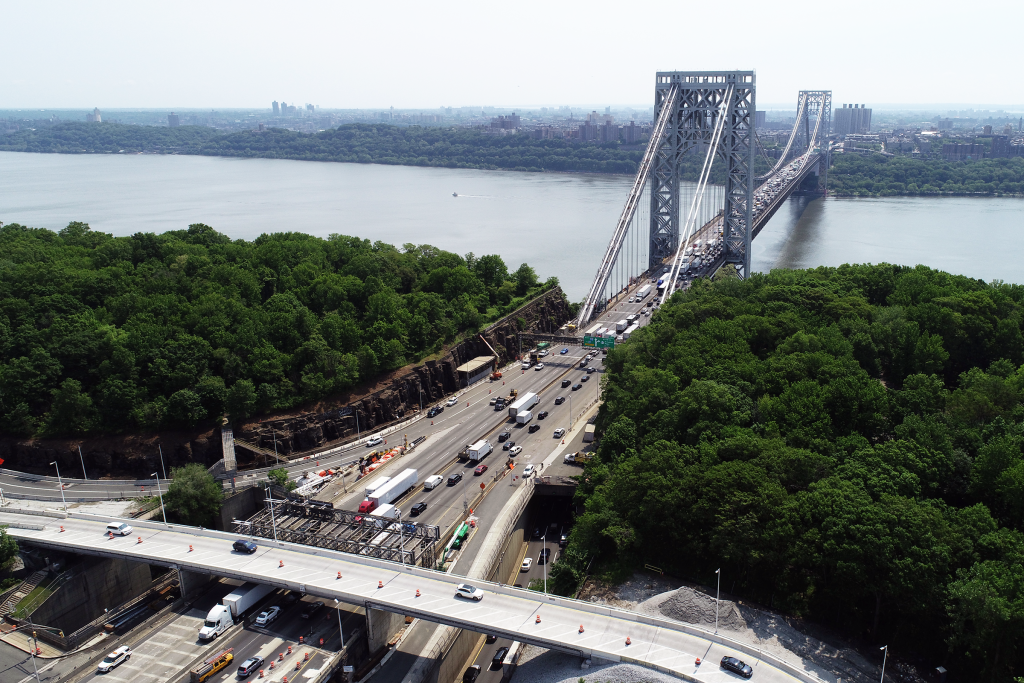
(558, 223)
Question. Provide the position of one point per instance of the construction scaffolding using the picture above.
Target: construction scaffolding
(351, 532)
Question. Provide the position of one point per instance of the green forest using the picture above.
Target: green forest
(874, 175)
(104, 334)
(845, 443)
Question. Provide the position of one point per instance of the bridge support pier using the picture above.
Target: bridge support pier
(381, 626)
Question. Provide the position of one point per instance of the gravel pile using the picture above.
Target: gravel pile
(537, 665)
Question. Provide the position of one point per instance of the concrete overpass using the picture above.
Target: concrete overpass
(565, 625)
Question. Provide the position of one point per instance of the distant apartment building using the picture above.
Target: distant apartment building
(952, 151)
(852, 118)
(632, 133)
(759, 119)
(172, 120)
(546, 133)
(276, 107)
(510, 122)
(609, 132)
(945, 124)
(587, 132)
(94, 117)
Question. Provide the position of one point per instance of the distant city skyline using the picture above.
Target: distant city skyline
(357, 55)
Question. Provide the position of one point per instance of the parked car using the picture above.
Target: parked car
(249, 665)
(244, 547)
(566, 382)
(504, 436)
(268, 615)
(527, 565)
(480, 469)
(499, 657)
(509, 445)
(464, 590)
(472, 673)
(559, 400)
(564, 351)
(530, 469)
(737, 667)
(121, 654)
(542, 414)
(577, 387)
(417, 509)
(311, 609)
(559, 433)
(454, 478)
(515, 450)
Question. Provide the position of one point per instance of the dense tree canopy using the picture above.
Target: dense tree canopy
(846, 443)
(874, 175)
(106, 334)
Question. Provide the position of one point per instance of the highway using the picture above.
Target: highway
(512, 613)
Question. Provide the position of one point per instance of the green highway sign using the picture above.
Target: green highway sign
(599, 342)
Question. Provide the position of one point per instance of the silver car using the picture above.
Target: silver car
(464, 590)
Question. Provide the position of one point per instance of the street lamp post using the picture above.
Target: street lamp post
(401, 535)
(82, 459)
(884, 657)
(544, 556)
(160, 493)
(61, 485)
(34, 648)
(718, 594)
(341, 636)
(162, 468)
(273, 523)
(276, 459)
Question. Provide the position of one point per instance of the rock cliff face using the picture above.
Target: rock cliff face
(402, 395)
(138, 455)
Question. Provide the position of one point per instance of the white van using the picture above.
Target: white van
(432, 482)
(119, 528)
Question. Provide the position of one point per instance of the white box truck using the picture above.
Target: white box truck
(391, 491)
(643, 292)
(383, 515)
(524, 416)
(621, 325)
(630, 330)
(231, 608)
(480, 450)
(524, 402)
(588, 433)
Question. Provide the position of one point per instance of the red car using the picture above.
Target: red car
(480, 469)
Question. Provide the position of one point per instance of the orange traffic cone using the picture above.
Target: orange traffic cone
(300, 640)
(697, 663)
(110, 534)
(417, 592)
(298, 665)
(272, 665)
(628, 642)
(306, 658)
(339, 575)
(62, 529)
(289, 649)
(280, 563)
(140, 539)
(538, 619)
(280, 656)
(261, 672)
(581, 628)
(380, 584)
(190, 548)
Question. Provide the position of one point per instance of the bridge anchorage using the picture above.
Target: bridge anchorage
(675, 231)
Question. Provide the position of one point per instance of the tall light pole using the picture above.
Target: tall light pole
(162, 468)
(544, 556)
(884, 657)
(82, 459)
(718, 594)
(276, 459)
(160, 493)
(61, 484)
(273, 523)
(341, 636)
(401, 534)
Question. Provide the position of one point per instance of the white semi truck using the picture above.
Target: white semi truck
(231, 608)
(524, 402)
(390, 492)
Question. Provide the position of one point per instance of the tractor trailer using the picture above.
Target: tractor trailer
(525, 402)
(390, 492)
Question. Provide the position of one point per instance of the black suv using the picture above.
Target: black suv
(244, 546)
(534, 427)
(577, 387)
(542, 414)
(508, 445)
(560, 400)
(436, 410)
(499, 657)
(566, 382)
(455, 478)
(504, 436)
(418, 508)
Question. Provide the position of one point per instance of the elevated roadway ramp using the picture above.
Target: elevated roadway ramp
(506, 611)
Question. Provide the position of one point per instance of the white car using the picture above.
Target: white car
(559, 433)
(268, 616)
(515, 450)
(452, 401)
(119, 655)
(464, 590)
(373, 441)
(528, 471)
(538, 366)
(527, 563)
(119, 528)
(543, 353)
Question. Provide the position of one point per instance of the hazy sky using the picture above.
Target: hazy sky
(215, 53)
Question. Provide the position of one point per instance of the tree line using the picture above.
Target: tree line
(104, 334)
(845, 443)
(874, 175)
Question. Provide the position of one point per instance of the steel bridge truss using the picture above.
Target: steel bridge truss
(701, 98)
(322, 527)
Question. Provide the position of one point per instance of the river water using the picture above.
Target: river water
(558, 223)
